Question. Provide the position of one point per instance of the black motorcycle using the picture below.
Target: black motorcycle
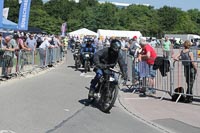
(106, 90)
(87, 61)
(77, 59)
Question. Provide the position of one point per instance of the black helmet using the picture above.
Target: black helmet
(115, 45)
(89, 40)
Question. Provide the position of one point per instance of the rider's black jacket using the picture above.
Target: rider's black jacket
(106, 57)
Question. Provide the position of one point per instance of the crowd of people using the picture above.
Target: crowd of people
(140, 48)
(16, 44)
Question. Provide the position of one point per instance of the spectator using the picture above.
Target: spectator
(153, 42)
(39, 40)
(123, 44)
(1, 51)
(134, 47)
(190, 68)
(57, 42)
(1, 45)
(22, 55)
(167, 46)
(148, 55)
(31, 42)
(9, 48)
(42, 50)
(65, 41)
(99, 44)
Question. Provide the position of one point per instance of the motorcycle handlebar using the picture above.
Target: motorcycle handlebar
(115, 71)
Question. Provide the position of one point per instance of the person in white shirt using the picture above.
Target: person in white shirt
(42, 50)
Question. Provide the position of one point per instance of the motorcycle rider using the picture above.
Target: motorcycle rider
(104, 58)
(77, 45)
(76, 55)
(88, 47)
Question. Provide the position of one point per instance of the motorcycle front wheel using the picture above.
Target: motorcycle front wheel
(76, 63)
(107, 102)
(87, 66)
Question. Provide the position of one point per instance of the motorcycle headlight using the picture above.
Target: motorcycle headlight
(111, 79)
(87, 55)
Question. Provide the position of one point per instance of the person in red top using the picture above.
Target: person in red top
(149, 55)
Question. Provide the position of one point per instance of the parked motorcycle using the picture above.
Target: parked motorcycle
(107, 90)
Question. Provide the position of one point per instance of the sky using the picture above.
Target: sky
(183, 4)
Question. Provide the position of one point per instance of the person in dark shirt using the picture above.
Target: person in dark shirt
(88, 47)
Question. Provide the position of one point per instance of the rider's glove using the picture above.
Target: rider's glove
(102, 66)
(124, 76)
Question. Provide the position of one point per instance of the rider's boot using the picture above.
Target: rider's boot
(92, 88)
(91, 92)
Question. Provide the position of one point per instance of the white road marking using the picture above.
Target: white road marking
(89, 76)
(66, 110)
(6, 131)
(82, 74)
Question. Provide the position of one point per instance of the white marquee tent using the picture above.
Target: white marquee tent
(83, 32)
(118, 33)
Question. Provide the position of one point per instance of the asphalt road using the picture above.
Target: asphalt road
(55, 102)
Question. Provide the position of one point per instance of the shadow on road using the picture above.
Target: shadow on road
(79, 69)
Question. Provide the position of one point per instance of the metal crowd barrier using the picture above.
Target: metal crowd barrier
(179, 79)
(167, 83)
(28, 61)
(138, 77)
(125, 54)
(25, 61)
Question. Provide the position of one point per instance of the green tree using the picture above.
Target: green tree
(13, 9)
(141, 18)
(106, 16)
(195, 17)
(168, 17)
(37, 3)
(184, 24)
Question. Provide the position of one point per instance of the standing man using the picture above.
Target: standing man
(42, 50)
(149, 55)
(167, 47)
(9, 48)
(31, 42)
(134, 47)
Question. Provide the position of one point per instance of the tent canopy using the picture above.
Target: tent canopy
(7, 24)
(118, 33)
(82, 32)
